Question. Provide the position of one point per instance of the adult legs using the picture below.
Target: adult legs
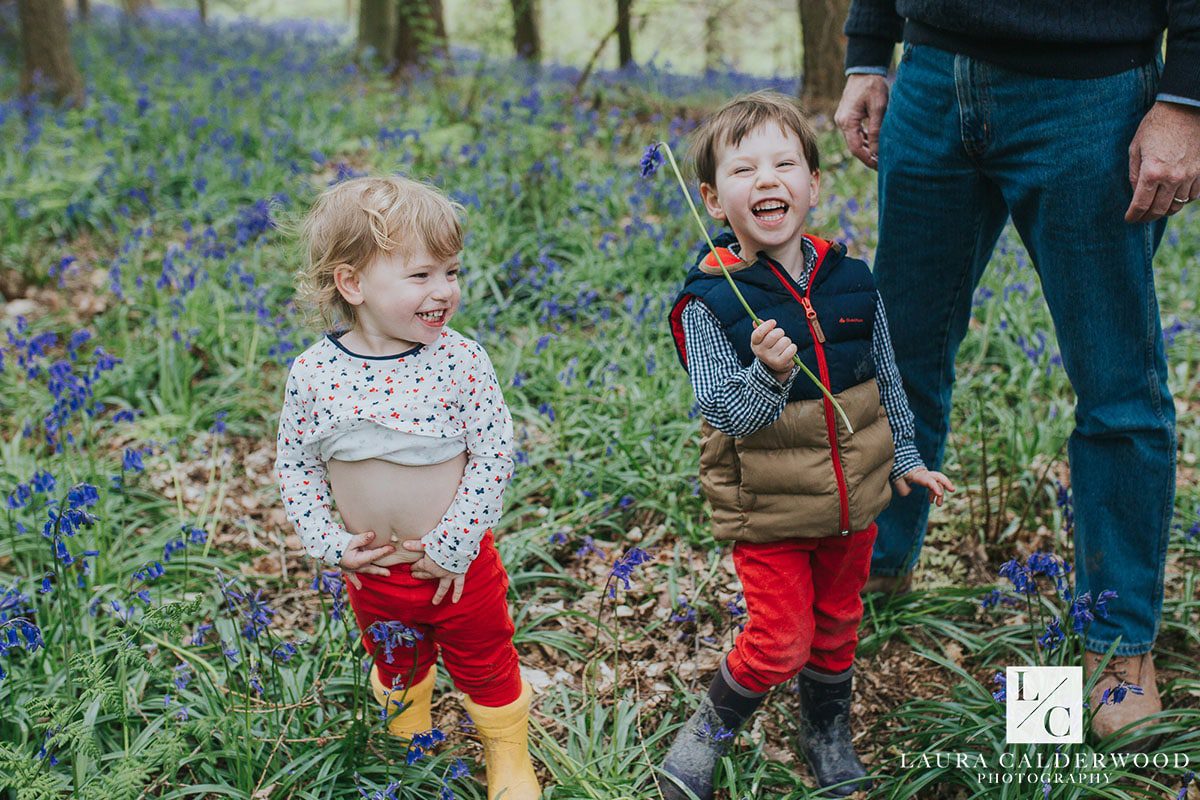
(1068, 195)
(939, 221)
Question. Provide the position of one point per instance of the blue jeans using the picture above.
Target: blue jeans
(964, 145)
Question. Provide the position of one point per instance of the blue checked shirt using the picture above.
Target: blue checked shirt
(739, 400)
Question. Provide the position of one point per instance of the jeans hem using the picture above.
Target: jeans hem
(1124, 649)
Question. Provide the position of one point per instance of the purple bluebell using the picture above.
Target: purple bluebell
(1117, 694)
(1053, 636)
(651, 160)
(392, 636)
(623, 567)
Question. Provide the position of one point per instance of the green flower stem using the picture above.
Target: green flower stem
(733, 284)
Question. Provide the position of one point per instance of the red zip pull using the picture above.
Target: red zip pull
(812, 320)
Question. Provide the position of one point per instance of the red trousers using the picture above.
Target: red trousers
(802, 597)
(474, 635)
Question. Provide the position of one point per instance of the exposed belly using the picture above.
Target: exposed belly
(394, 500)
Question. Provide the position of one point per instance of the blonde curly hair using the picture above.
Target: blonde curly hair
(355, 221)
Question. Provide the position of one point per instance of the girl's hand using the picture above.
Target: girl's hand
(772, 347)
(360, 557)
(428, 570)
(935, 482)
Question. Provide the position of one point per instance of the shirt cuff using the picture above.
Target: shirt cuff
(907, 459)
(764, 379)
(881, 71)
(869, 51)
(445, 556)
(336, 543)
(1174, 98)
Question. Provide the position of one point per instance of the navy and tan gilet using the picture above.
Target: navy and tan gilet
(803, 475)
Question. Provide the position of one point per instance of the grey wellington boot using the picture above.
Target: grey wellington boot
(825, 732)
(704, 738)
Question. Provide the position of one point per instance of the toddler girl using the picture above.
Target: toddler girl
(400, 420)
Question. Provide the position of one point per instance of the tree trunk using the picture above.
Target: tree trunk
(526, 41)
(420, 32)
(84, 10)
(135, 7)
(203, 8)
(47, 45)
(624, 34)
(376, 27)
(712, 37)
(824, 53)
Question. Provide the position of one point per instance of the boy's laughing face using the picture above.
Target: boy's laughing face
(764, 190)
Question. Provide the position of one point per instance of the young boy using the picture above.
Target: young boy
(795, 491)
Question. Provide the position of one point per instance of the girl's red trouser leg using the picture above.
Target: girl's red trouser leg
(473, 635)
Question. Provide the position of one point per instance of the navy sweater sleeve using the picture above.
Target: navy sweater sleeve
(873, 27)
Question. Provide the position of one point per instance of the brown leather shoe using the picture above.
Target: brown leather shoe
(1133, 708)
(890, 585)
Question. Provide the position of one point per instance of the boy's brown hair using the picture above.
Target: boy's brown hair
(356, 221)
(736, 119)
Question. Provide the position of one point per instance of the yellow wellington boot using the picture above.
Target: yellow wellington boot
(504, 732)
(417, 702)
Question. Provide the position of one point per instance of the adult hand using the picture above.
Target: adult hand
(860, 116)
(1164, 162)
(359, 556)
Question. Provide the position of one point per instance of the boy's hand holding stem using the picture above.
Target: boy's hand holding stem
(774, 349)
(360, 556)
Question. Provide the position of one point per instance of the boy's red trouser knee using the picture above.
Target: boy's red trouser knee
(473, 635)
(802, 598)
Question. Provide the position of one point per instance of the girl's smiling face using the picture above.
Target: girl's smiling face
(764, 190)
(400, 301)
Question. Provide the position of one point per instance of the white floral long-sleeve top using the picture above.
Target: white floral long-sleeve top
(442, 398)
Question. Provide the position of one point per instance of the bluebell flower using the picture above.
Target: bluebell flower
(651, 160)
(558, 537)
(623, 568)
(257, 616)
(148, 573)
(19, 497)
(1101, 604)
(589, 548)
(183, 675)
(735, 607)
(1053, 636)
(132, 461)
(1081, 612)
(1183, 791)
(386, 793)
(1001, 694)
(1117, 693)
(422, 744)
(43, 482)
(83, 495)
(720, 734)
(685, 612)
(1022, 579)
(393, 635)
(198, 635)
(284, 652)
